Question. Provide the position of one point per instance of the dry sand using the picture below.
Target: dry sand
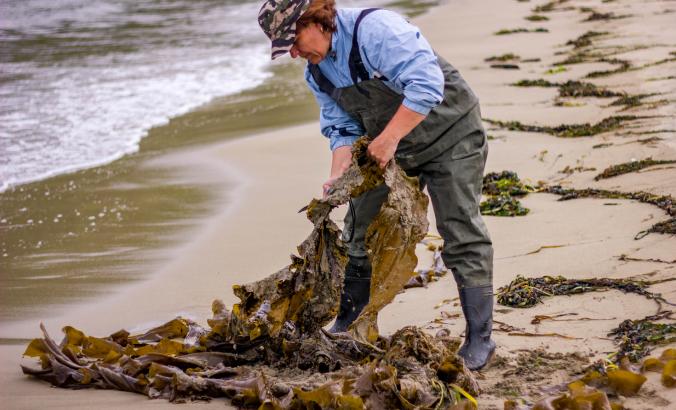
(279, 171)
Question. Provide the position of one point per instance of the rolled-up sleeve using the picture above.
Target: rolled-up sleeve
(335, 123)
(396, 49)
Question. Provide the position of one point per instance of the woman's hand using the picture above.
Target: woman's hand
(383, 147)
(340, 162)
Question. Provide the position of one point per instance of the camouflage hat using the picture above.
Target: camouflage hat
(278, 19)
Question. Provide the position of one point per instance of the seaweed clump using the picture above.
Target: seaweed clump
(502, 187)
(525, 292)
(637, 337)
(505, 182)
(632, 166)
(503, 205)
(568, 130)
(270, 350)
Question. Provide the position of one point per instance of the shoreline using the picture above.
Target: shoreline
(253, 237)
(80, 262)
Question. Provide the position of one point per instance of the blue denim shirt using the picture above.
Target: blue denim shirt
(390, 47)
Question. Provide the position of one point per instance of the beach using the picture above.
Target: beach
(242, 196)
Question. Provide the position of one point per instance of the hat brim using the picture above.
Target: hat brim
(283, 43)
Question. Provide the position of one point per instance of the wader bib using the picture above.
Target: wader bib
(447, 152)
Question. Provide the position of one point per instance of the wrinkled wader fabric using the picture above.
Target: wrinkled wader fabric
(447, 152)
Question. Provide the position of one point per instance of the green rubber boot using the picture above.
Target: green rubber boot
(477, 305)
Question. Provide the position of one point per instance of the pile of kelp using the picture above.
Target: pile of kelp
(664, 202)
(270, 350)
(608, 380)
(502, 189)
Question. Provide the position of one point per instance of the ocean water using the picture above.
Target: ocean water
(81, 81)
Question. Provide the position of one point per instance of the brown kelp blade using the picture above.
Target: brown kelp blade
(391, 240)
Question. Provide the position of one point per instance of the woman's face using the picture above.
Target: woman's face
(312, 43)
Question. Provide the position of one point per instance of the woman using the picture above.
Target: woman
(374, 74)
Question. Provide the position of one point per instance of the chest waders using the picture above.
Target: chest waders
(447, 152)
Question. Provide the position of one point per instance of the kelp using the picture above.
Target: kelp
(505, 182)
(505, 66)
(629, 101)
(568, 130)
(596, 16)
(505, 31)
(624, 66)
(503, 58)
(270, 350)
(536, 17)
(501, 188)
(665, 364)
(636, 338)
(549, 6)
(665, 202)
(503, 205)
(525, 292)
(667, 227)
(632, 166)
(585, 40)
(583, 89)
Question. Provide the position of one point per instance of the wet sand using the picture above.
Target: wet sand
(273, 174)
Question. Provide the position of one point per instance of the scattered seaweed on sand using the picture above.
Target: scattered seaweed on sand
(585, 40)
(505, 66)
(667, 227)
(664, 202)
(596, 16)
(624, 66)
(501, 189)
(535, 83)
(636, 338)
(568, 130)
(520, 30)
(583, 89)
(632, 166)
(629, 101)
(503, 58)
(270, 351)
(549, 6)
(527, 292)
(537, 17)
(502, 205)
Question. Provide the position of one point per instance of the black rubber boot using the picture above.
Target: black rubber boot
(356, 291)
(477, 305)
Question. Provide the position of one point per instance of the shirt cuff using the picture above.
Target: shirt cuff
(341, 141)
(419, 108)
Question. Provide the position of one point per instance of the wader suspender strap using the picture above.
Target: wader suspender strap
(355, 63)
(357, 69)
